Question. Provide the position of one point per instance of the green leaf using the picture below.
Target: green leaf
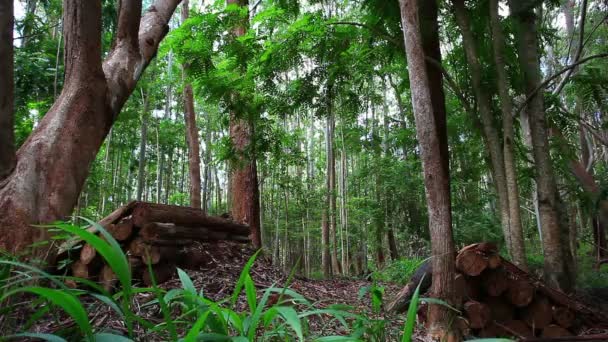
(45, 337)
(64, 299)
(241, 282)
(108, 337)
(251, 293)
(290, 316)
(197, 327)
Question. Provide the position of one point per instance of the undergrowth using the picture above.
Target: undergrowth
(187, 315)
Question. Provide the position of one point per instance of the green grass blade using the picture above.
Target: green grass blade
(410, 322)
(241, 282)
(108, 337)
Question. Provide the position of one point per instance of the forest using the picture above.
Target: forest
(313, 170)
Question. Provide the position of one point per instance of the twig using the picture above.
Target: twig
(579, 49)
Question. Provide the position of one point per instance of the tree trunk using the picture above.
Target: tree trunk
(436, 171)
(7, 134)
(325, 256)
(556, 270)
(244, 177)
(489, 132)
(53, 163)
(194, 159)
(331, 190)
(141, 175)
(502, 82)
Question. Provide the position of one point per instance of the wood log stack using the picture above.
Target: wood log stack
(151, 235)
(498, 299)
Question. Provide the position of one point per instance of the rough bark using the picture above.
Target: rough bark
(244, 176)
(7, 137)
(556, 270)
(502, 82)
(53, 163)
(436, 173)
(325, 254)
(194, 159)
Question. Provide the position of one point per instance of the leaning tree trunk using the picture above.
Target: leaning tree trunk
(7, 137)
(556, 270)
(244, 188)
(515, 227)
(54, 162)
(436, 175)
(194, 159)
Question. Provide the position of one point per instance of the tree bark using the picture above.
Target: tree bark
(331, 188)
(7, 135)
(53, 163)
(436, 173)
(194, 159)
(244, 188)
(556, 271)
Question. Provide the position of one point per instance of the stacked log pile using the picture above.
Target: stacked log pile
(498, 299)
(151, 235)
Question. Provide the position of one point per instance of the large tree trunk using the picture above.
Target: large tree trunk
(194, 159)
(53, 163)
(489, 131)
(556, 270)
(7, 135)
(436, 174)
(244, 178)
(515, 227)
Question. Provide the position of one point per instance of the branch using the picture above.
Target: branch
(452, 84)
(579, 49)
(554, 76)
(129, 17)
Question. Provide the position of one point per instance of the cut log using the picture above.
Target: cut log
(538, 314)
(502, 311)
(105, 222)
(494, 261)
(87, 254)
(590, 315)
(184, 216)
(81, 270)
(122, 230)
(516, 328)
(478, 314)
(520, 292)
(462, 324)
(563, 316)
(137, 246)
(470, 262)
(493, 330)
(156, 231)
(495, 282)
(162, 272)
(422, 276)
(555, 330)
(151, 255)
(107, 278)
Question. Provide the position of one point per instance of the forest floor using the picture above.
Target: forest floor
(219, 271)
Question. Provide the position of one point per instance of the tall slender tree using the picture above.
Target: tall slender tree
(436, 173)
(194, 159)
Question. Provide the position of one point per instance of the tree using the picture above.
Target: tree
(7, 135)
(491, 136)
(52, 165)
(244, 171)
(552, 219)
(436, 174)
(194, 159)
